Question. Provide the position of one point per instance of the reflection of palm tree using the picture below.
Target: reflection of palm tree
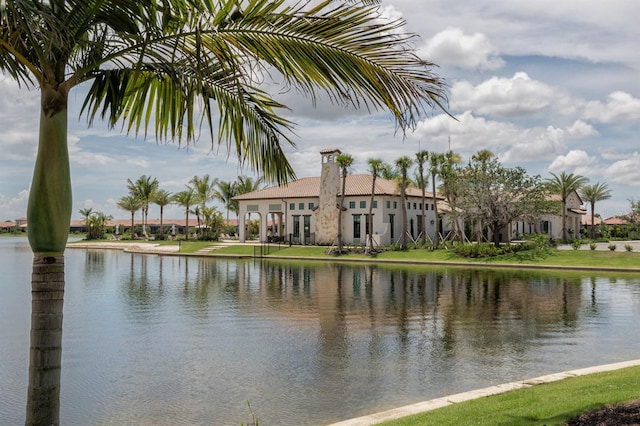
(150, 70)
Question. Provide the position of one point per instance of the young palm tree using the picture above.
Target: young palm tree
(185, 199)
(564, 185)
(132, 205)
(344, 161)
(162, 198)
(225, 193)
(594, 193)
(86, 213)
(154, 64)
(375, 165)
(421, 158)
(204, 188)
(144, 189)
(403, 164)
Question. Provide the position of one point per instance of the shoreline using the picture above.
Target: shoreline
(172, 250)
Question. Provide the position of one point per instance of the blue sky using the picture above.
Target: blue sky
(550, 86)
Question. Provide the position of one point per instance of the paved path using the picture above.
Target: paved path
(620, 246)
(422, 407)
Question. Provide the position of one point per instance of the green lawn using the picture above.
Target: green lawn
(546, 404)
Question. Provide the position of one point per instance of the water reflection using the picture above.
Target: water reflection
(175, 340)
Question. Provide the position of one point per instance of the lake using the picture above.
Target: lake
(168, 340)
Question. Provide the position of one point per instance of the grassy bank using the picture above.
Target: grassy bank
(551, 257)
(547, 404)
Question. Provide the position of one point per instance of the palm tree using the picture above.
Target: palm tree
(435, 161)
(482, 158)
(204, 188)
(225, 193)
(132, 205)
(564, 185)
(144, 189)
(447, 173)
(403, 164)
(86, 213)
(594, 193)
(185, 199)
(153, 64)
(421, 158)
(344, 161)
(162, 198)
(375, 165)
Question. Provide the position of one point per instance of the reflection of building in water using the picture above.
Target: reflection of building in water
(478, 308)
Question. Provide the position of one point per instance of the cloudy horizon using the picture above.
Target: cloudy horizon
(548, 86)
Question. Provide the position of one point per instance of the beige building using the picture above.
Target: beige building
(306, 210)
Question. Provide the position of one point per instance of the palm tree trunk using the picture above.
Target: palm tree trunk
(49, 207)
(436, 238)
(47, 295)
(593, 231)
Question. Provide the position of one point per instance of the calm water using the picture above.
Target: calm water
(168, 340)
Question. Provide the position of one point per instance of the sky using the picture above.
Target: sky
(550, 86)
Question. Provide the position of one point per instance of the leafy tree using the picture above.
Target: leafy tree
(421, 158)
(185, 199)
(169, 65)
(375, 166)
(96, 225)
(592, 194)
(344, 161)
(132, 205)
(564, 185)
(497, 196)
(162, 198)
(144, 189)
(403, 164)
(448, 171)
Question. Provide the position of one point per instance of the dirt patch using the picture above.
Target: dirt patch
(622, 414)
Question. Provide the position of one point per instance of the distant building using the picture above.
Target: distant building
(306, 210)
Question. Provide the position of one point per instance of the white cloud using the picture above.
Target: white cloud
(625, 171)
(453, 47)
(16, 207)
(620, 106)
(507, 97)
(580, 129)
(574, 160)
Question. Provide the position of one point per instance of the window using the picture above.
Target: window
(310, 206)
(352, 204)
(363, 204)
(307, 226)
(388, 204)
(296, 226)
(414, 206)
(374, 204)
(408, 205)
(292, 206)
(300, 206)
(395, 204)
(432, 208)
(356, 225)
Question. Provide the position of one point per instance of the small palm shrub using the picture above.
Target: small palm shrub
(628, 247)
(593, 246)
(576, 244)
(612, 247)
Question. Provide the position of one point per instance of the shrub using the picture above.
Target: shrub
(628, 247)
(576, 244)
(593, 246)
(612, 247)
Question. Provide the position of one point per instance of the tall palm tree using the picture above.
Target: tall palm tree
(185, 199)
(132, 205)
(144, 189)
(594, 193)
(204, 188)
(86, 213)
(344, 161)
(375, 165)
(421, 158)
(162, 198)
(224, 193)
(153, 64)
(564, 185)
(435, 161)
(403, 164)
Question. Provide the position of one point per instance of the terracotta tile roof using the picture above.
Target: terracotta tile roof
(356, 185)
(586, 220)
(615, 221)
